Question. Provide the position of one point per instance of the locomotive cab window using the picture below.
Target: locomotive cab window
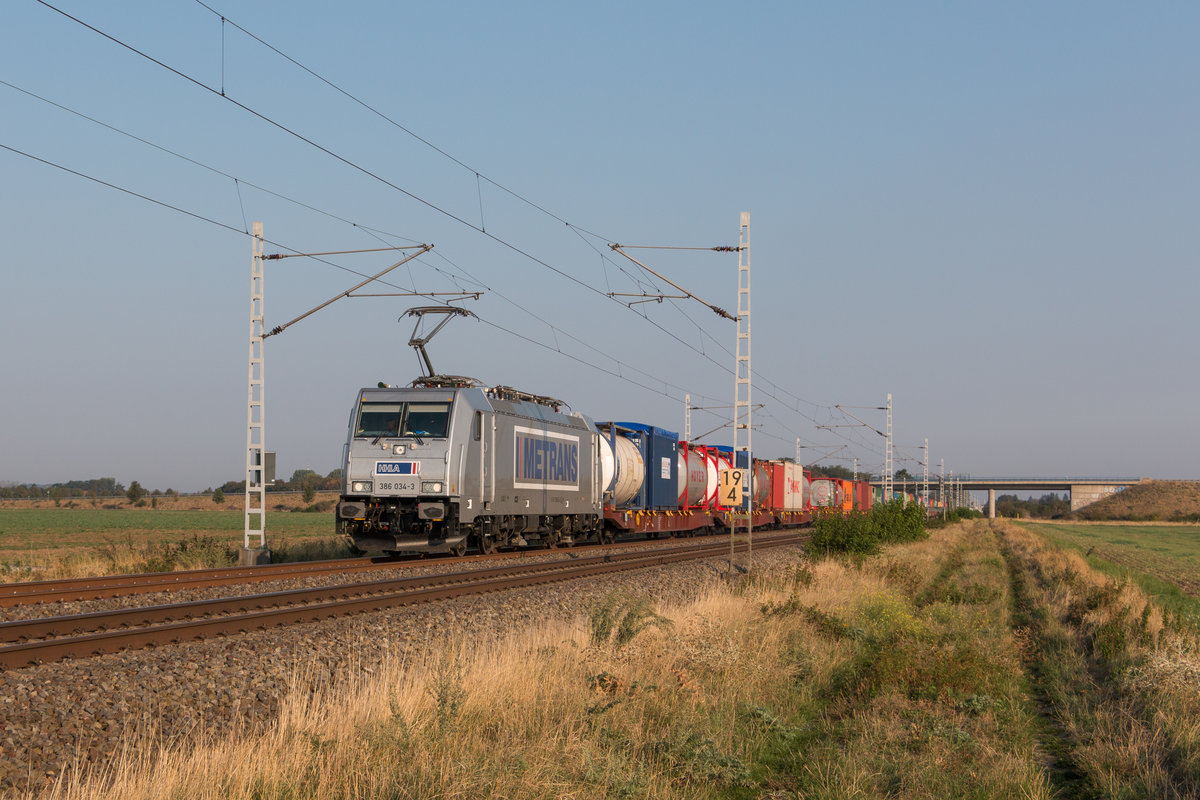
(426, 419)
(379, 419)
(402, 419)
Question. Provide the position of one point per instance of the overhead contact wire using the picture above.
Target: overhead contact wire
(353, 165)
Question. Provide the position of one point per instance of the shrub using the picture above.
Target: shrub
(861, 534)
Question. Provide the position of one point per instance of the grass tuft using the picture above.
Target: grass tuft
(619, 618)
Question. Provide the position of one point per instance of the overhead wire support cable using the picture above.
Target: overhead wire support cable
(478, 175)
(617, 248)
(275, 256)
(367, 172)
(425, 248)
(718, 249)
(379, 178)
(647, 298)
(456, 295)
(864, 424)
(510, 332)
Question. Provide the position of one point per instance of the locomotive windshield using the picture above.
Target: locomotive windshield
(403, 419)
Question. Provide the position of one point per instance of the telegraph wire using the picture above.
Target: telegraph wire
(273, 243)
(148, 199)
(367, 172)
(479, 176)
(386, 118)
(379, 178)
(238, 181)
(371, 174)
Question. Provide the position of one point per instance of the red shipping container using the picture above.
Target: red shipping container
(787, 486)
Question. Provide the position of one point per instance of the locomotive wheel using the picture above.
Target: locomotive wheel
(459, 550)
(606, 537)
(487, 544)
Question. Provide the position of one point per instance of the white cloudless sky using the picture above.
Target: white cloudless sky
(987, 210)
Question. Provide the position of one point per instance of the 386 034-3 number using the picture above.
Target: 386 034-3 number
(397, 486)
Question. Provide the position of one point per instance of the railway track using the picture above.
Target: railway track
(79, 589)
(72, 589)
(34, 641)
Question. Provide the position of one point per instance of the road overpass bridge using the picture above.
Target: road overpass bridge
(1084, 491)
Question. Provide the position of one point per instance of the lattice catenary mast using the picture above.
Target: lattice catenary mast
(256, 487)
(259, 462)
(925, 474)
(887, 456)
(687, 418)
(741, 394)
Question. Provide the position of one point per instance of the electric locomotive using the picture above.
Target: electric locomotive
(446, 464)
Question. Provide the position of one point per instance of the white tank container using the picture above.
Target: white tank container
(720, 461)
(608, 465)
(762, 483)
(693, 478)
(630, 471)
(713, 479)
(822, 493)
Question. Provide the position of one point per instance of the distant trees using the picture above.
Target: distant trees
(96, 487)
(1049, 506)
(218, 496)
(832, 471)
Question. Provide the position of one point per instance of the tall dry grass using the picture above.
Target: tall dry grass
(970, 664)
(896, 676)
(1121, 677)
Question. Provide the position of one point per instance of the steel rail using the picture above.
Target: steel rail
(97, 588)
(91, 644)
(68, 624)
(67, 589)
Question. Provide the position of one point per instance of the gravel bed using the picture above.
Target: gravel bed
(56, 716)
(405, 569)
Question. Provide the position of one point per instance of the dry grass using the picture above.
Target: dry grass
(1149, 501)
(41, 544)
(1118, 673)
(903, 676)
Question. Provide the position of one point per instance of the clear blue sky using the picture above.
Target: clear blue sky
(988, 211)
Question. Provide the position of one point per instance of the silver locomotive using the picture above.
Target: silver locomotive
(448, 465)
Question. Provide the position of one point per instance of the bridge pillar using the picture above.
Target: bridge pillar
(1086, 495)
(991, 503)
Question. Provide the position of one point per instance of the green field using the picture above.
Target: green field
(42, 536)
(1163, 559)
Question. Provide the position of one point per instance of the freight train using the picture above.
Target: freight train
(447, 464)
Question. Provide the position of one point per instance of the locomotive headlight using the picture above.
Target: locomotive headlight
(434, 487)
(360, 486)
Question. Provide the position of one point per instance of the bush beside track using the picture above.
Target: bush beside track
(864, 533)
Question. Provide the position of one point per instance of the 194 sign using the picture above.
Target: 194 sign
(732, 487)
